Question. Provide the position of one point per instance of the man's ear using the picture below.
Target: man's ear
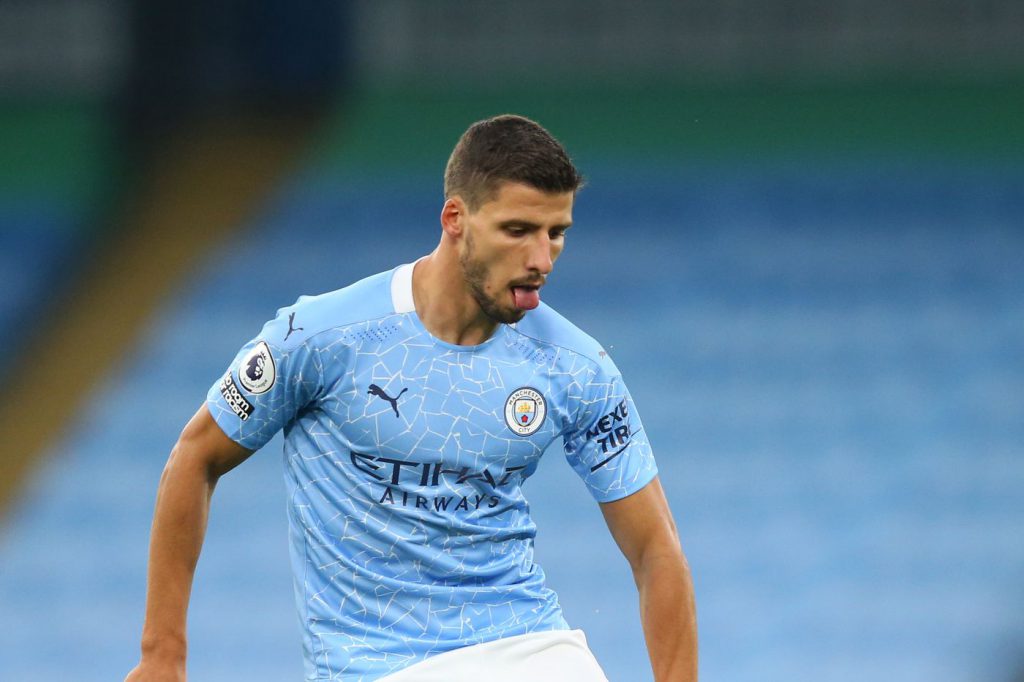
(452, 216)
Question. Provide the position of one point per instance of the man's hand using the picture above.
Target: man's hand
(148, 671)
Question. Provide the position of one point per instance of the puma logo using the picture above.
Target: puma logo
(379, 392)
(291, 321)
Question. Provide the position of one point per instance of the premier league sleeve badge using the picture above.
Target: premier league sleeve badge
(256, 371)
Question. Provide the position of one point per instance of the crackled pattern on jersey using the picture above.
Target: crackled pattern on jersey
(410, 533)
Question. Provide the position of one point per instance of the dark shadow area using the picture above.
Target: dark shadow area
(216, 103)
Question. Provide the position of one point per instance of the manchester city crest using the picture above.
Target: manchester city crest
(524, 411)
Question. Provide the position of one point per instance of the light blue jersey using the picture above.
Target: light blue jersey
(405, 461)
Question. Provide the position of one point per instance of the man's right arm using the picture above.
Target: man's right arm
(201, 456)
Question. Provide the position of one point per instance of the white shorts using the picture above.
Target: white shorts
(554, 656)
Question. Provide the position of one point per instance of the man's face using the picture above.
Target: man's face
(510, 246)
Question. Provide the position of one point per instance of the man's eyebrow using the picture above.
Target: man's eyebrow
(517, 222)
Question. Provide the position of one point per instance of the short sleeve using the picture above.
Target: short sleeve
(608, 446)
(265, 387)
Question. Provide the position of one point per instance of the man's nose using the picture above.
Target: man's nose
(541, 256)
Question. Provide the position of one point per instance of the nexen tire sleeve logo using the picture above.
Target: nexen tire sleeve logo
(612, 431)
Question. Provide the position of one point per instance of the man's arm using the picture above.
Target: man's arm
(643, 528)
(202, 454)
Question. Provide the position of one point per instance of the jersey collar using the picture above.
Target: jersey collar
(401, 289)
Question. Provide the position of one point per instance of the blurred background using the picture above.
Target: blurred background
(802, 240)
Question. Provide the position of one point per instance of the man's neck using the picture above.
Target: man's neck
(444, 304)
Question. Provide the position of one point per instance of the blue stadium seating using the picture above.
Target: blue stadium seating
(829, 361)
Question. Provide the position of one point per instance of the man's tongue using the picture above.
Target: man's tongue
(527, 298)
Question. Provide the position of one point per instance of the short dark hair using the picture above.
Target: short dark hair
(507, 148)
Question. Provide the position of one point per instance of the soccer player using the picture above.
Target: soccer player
(415, 403)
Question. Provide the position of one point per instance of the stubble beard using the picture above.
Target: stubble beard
(474, 273)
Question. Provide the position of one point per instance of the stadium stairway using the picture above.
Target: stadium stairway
(202, 185)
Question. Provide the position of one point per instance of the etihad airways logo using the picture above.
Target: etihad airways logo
(395, 473)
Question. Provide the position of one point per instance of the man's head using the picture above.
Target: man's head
(509, 190)
(507, 148)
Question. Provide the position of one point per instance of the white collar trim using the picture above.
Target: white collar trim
(401, 289)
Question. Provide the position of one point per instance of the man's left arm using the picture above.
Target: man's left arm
(643, 528)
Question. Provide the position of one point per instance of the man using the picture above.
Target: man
(414, 404)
